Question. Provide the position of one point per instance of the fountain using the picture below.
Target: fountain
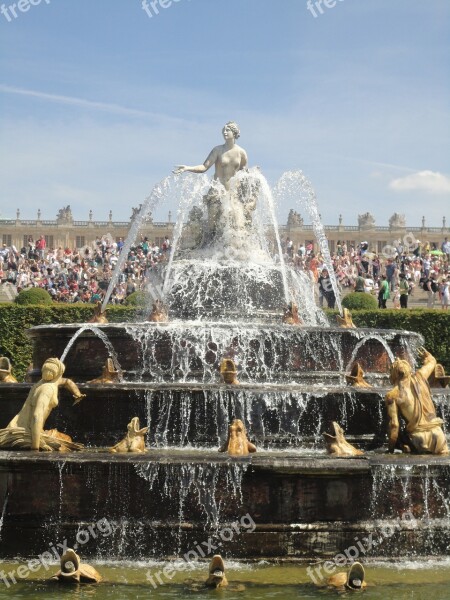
(234, 337)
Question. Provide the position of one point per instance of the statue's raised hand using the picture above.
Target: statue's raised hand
(422, 352)
(179, 169)
(78, 399)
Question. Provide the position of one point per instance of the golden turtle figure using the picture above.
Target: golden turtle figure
(99, 316)
(353, 579)
(346, 321)
(237, 443)
(109, 374)
(337, 445)
(356, 377)
(228, 371)
(6, 371)
(74, 571)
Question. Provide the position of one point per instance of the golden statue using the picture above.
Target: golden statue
(228, 371)
(216, 578)
(99, 316)
(159, 313)
(356, 377)
(134, 440)
(290, 316)
(337, 445)
(74, 571)
(109, 374)
(26, 430)
(346, 321)
(411, 398)
(354, 579)
(6, 370)
(237, 443)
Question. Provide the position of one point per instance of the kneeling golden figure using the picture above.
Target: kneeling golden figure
(411, 401)
(26, 430)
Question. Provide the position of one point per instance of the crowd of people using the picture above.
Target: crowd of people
(393, 275)
(82, 274)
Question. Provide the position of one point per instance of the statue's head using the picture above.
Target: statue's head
(52, 369)
(237, 428)
(400, 369)
(234, 127)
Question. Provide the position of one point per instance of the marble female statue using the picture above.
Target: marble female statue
(228, 160)
(411, 398)
(26, 430)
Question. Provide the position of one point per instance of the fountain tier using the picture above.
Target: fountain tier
(192, 351)
(302, 507)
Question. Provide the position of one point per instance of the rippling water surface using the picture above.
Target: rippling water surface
(421, 580)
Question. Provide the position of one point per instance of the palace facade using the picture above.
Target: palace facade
(65, 232)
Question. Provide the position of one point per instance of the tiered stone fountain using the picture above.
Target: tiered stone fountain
(226, 298)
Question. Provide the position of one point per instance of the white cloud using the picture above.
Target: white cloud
(424, 181)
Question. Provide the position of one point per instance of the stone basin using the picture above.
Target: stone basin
(192, 351)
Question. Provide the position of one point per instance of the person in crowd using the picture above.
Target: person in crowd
(444, 292)
(383, 293)
(404, 291)
(391, 272)
(431, 287)
(445, 248)
(359, 283)
(326, 288)
(76, 274)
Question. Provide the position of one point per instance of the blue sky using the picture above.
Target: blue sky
(99, 101)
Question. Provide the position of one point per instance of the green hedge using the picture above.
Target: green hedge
(434, 325)
(15, 320)
(139, 298)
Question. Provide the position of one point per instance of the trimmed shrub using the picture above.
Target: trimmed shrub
(139, 299)
(359, 301)
(33, 296)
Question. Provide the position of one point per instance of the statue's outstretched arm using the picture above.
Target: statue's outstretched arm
(429, 363)
(199, 168)
(72, 387)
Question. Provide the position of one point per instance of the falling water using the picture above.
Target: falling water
(188, 190)
(363, 342)
(151, 202)
(263, 352)
(2, 517)
(207, 481)
(293, 187)
(267, 196)
(99, 333)
(61, 466)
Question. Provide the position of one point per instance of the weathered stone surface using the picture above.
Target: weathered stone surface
(301, 506)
